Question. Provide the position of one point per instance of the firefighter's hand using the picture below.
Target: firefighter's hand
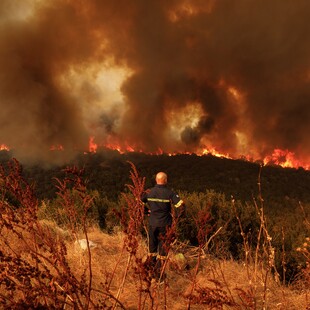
(147, 211)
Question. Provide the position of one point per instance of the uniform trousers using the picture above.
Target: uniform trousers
(157, 240)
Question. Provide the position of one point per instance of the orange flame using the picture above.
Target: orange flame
(4, 147)
(92, 146)
(213, 152)
(201, 152)
(126, 148)
(279, 157)
(284, 158)
(57, 147)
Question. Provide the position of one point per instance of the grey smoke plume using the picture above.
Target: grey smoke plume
(245, 63)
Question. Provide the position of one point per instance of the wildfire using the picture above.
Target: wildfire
(4, 147)
(57, 148)
(283, 158)
(120, 148)
(129, 149)
(92, 145)
(213, 152)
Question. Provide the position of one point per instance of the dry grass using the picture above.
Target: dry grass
(227, 277)
(219, 284)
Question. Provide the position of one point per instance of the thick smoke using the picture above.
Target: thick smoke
(244, 64)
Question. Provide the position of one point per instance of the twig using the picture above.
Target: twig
(123, 280)
(208, 242)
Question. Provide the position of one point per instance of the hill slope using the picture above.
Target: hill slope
(108, 172)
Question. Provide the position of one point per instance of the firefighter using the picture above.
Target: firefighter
(158, 204)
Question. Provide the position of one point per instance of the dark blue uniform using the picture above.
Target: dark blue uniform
(159, 201)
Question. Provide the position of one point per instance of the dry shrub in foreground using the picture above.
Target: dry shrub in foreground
(304, 250)
(35, 272)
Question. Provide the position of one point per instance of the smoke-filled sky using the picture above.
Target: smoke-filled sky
(230, 75)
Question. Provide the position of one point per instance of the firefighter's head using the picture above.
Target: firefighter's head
(161, 178)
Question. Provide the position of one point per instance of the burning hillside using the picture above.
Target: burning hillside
(225, 77)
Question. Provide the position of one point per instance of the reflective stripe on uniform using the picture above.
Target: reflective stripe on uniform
(179, 204)
(158, 200)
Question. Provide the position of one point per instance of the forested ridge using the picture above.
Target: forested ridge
(108, 172)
